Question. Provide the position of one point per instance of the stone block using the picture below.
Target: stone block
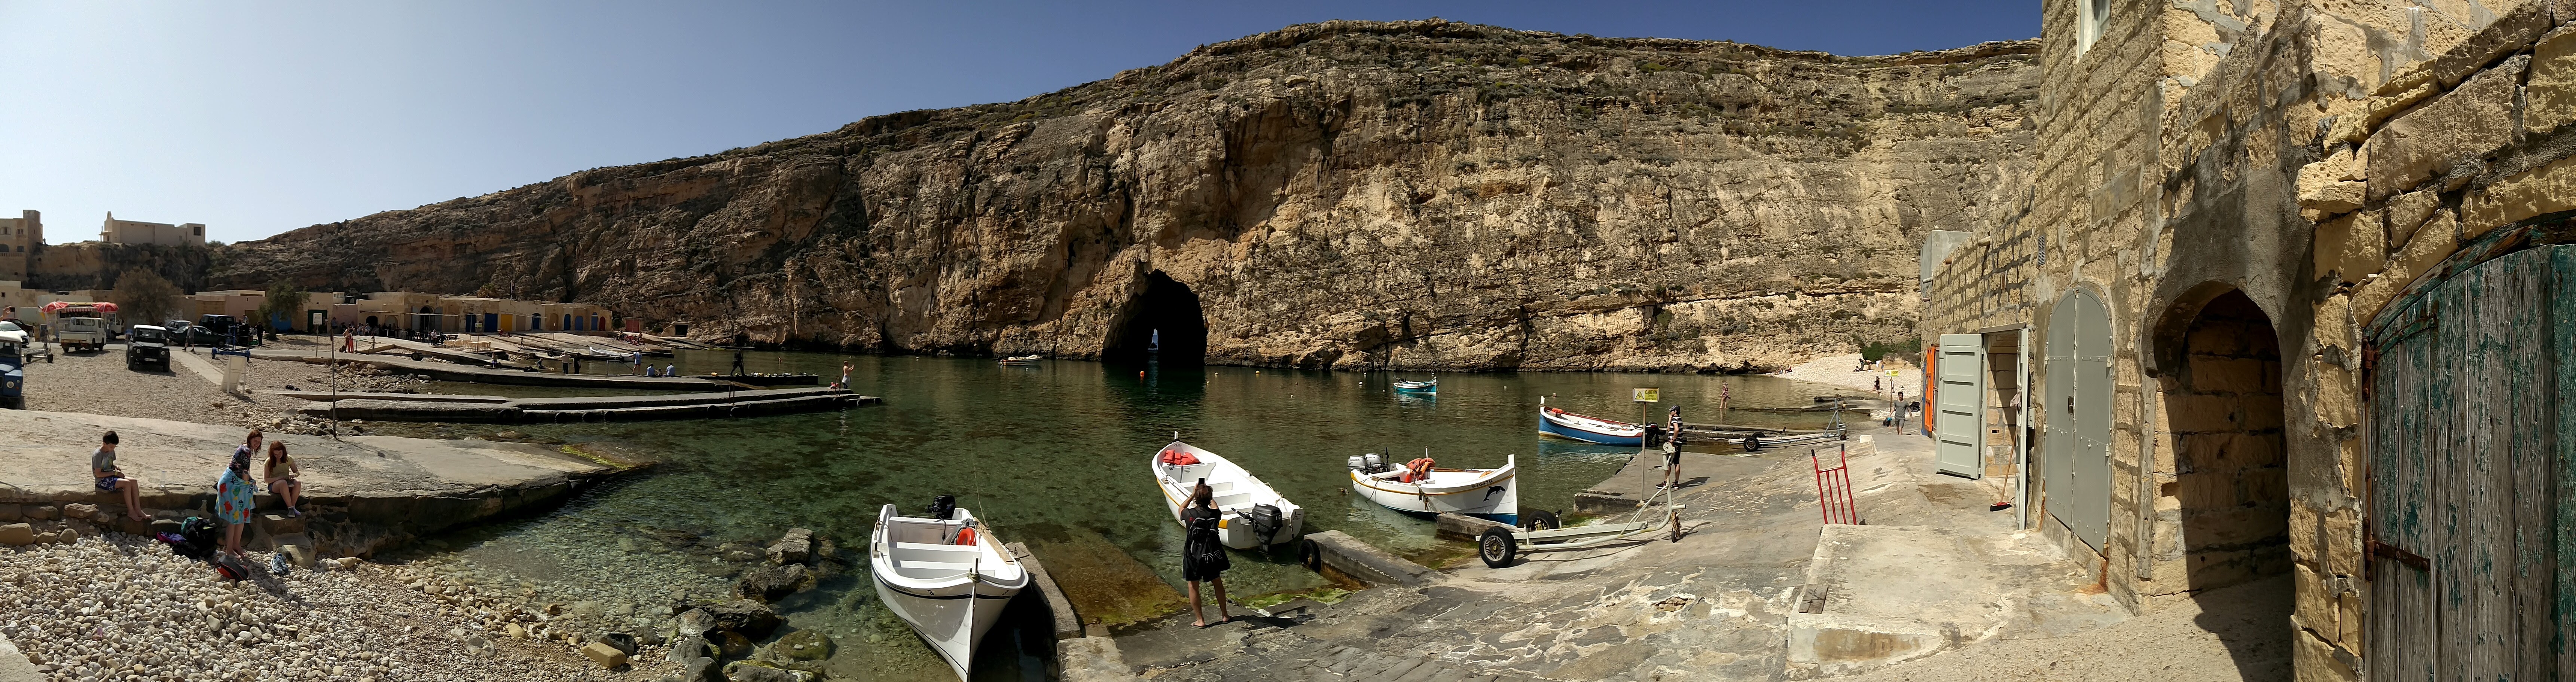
(2432, 243)
(2467, 122)
(2407, 211)
(2547, 189)
(2314, 660)
(2333, 319)
(2227, 375)
(604, 655)
(10, 513)
(2549, 97)
(2351, 246)
(42, 512)
(79, 510)
(2312, 607)
(2338, 400)
(2339, 540)
(17, 534)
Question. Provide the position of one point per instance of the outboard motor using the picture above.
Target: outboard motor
(1357, 462)
(1375, 465)
(1265, 521)
(943, 507)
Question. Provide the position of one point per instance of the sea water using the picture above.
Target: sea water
(1054, 455)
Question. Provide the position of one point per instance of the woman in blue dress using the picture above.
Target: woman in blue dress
(234, 494)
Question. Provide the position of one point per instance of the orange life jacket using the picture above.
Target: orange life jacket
(966, 536)
(1417, 470)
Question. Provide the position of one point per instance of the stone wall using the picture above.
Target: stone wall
(2284, 170)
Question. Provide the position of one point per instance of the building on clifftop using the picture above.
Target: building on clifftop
(18, 236)
(138, 232)
(2295, 298)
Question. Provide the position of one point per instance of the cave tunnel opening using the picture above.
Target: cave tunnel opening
(1162, 324)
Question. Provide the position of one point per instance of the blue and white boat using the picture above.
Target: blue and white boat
(1563, 424)
(1432, 386)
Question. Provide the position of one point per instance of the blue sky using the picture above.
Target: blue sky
(260, 117)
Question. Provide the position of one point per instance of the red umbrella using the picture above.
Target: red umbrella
(55, 307)
(105, 307)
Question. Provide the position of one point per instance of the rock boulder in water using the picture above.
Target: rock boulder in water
(751, 618)
(768, 583)
(794, 548)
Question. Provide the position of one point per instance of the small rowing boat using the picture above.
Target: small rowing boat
(1421, 489)
(1255, 515)
(1432, 386)
(945, 575)
(1023, 360)
(1563, 424)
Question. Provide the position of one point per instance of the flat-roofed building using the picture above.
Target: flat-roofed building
(138, 232)
(17, 235)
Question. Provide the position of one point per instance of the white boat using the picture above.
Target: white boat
(1563, 424)
(1410, 386)
(1255, 516)
(949, 588)
(1486, 493)
(1023, 360)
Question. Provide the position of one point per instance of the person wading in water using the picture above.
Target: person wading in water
(1203, 556)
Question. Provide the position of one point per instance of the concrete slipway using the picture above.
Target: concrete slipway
(362, 491)
(1933, 573)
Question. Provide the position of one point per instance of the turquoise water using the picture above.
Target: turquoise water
(1055, 455)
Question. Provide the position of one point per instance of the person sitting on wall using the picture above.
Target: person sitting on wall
(102, 465)
(281, 476)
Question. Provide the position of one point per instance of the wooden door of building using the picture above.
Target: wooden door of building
(2075, 452)
(1960, 417)
(2471, 529)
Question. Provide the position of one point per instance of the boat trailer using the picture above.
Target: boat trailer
(1499, 546)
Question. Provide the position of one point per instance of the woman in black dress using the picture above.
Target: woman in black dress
(1202, 554)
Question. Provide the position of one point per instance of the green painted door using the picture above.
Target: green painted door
(1960, 418)
(2470, 516)
(2075, 450)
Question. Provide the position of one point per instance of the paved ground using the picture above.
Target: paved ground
(1722, 604)
(100, 383)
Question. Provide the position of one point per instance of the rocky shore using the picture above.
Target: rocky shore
(122, 607)
(114, 606)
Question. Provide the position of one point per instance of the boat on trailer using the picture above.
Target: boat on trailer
(1432, 386)
(1255, 516)
(946, 576)
(1022, 359)
(1428, 490)
(1563, 424)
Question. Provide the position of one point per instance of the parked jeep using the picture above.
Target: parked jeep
(147, 345)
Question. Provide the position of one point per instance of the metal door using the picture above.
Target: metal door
(2472, 489)
(2075, 451)
(1960, 417)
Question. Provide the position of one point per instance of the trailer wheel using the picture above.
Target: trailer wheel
(1497, 548)
(1310, 555)
(1540, 519)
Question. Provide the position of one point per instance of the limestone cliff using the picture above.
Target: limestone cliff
(1421, 194)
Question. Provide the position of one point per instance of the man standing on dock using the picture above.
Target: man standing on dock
(737, 363)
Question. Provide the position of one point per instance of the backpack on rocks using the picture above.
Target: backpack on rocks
(196, 539)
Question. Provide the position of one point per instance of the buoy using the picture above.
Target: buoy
(1140, 375)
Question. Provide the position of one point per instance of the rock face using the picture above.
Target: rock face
(1422, 194)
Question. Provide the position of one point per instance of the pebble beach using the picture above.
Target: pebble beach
(122, 607)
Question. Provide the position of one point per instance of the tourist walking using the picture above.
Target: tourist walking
(845, 375)
(1203, 557)
(737, 363)
(102, 465)
(281, 475)
(234, 494)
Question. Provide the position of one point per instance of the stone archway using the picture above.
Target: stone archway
(2223, 408)
(1163, 323)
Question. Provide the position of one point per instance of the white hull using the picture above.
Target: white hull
(1487, 493)
(950, 594)
(1237, 492)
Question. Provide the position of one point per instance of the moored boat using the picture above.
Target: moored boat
(1563, 424)
(946, 576)
(1422, 489)
(1255, 516)
(1023, 360)
(1432, 386)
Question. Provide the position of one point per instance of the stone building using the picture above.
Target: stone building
(17, 236)
(2294, 293)
(138, 232)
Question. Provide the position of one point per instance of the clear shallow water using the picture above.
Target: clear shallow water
(1054, 455)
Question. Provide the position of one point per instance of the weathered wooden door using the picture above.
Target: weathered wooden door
(1961, 415)
(2471, 526)
(2076, 450)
